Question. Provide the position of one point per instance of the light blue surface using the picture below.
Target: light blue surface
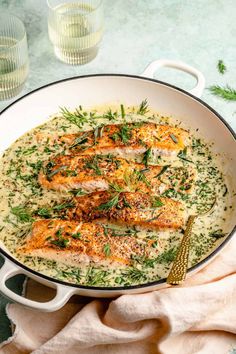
(137, 32)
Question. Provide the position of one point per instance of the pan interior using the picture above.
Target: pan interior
(218, 231)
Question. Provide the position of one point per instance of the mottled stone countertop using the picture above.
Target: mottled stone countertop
(137, 32)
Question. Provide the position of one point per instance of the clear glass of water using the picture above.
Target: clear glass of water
(75, 29)
(14, 62)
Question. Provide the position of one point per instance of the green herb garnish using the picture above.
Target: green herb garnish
(143, 108)
(77, 117)
(217, 234)
(110, 204)
(80, 140)
(183, 155)
(77, 235)
(221, 67)
(21, 214)
(61, 242)
(156, 202)
(174, 138)
(64, 206)
(227, 92)
(146, 156)
(44, 212)
(124, 134)
(122, 111)
(164, 168)
(55, 172)
(107, 250)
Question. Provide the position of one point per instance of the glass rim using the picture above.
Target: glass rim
(24, 36)
(53, 8)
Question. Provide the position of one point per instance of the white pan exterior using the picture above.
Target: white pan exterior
(34, 108)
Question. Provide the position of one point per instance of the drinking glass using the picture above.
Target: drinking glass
(75, 29)
(14, 62)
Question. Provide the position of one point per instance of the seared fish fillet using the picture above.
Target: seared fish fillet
(136, 209)
(129, 139)
(96, 172)
(73, 242)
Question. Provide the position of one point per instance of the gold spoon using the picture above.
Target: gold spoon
(179, 267)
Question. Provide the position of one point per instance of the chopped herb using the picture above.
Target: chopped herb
(140, 176)
(21, 214)
(74, 274)
(116, 187)
(92, 164)
(64, 206)
(77, 192)
(124, 134)
(122, 111)
(146, 156)
(110, 115)
(44, 212)
(55, 172)
(183, 155)
(217, 234)
(164, 168)
(96, 276)
(155, 217)
(61, 242)
(174, 138)
(110, 204)
(156, 202)
(126, 203)
(28, 151)
(227, 92)
(134, 274)
(80, 140)
(226, 190)
(107, 250)
(77, 235)
(77, 117)
(143, 108)
(221, 67)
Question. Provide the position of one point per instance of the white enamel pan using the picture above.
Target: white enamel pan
(32, 109)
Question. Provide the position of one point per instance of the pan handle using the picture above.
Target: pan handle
(153, 66)
(63, 293)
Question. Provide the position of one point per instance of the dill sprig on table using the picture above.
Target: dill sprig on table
(227, 92)
(221, 67)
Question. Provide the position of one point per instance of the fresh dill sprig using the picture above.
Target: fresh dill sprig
(110, 204)
(21, 214)
(77, 117)
(124, 134)
(146, 156)
(227, 92)
(221, 67)
(143, 108)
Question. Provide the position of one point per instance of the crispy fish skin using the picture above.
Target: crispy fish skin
(134, 209)
(129, 139)
(73, 242)
(96, 172)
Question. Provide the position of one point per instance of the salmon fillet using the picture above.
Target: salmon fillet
(132, 209)
(96, 172)
(73, 243)
(129, 139)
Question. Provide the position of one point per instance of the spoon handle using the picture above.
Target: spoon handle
(178, 270)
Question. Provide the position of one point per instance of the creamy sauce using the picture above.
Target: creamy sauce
(21, 196)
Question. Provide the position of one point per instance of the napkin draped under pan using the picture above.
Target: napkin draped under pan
(199, 317)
